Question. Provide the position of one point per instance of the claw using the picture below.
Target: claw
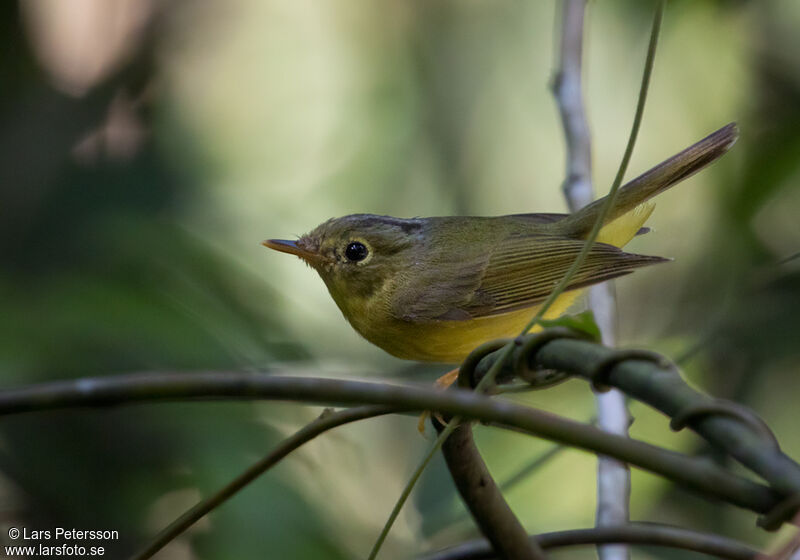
(442, 383)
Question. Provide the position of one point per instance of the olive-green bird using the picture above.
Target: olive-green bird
(432, 289)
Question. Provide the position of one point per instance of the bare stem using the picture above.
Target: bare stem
(327, 421)
(404, 495)
(645, 534)
(568, 92)
(613, 477)
(484, 499)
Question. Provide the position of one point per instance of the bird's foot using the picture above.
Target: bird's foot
(442, 383)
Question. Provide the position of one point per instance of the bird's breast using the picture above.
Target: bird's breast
(450, 342)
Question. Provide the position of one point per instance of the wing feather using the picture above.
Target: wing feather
(523, 270)
(519, 272)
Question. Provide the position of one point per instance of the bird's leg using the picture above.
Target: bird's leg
(442, 383)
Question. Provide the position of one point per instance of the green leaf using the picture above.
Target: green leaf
(581, 322)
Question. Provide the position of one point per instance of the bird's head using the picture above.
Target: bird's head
(356, 254)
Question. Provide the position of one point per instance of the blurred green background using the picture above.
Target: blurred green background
(148, 147)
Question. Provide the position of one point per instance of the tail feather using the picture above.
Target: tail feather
(620, 231)
(652, 182)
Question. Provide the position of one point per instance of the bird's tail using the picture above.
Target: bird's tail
(652, 182)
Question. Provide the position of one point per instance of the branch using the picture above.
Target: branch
(728, 427)
(484, 499)
(521, 475)
(568, 92)
(696, 474)
(613, 477)
(645, 534)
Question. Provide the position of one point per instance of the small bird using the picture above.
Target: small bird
(432, 289)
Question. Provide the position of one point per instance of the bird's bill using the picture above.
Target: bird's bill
(291, 247)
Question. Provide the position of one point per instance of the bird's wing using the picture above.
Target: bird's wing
(520, 272)
(540, 217)
(550, 218)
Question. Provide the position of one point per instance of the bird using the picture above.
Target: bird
(432, 289)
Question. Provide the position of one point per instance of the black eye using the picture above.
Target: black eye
(356, 251)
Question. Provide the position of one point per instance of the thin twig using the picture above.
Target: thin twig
(406, 492)
(645, 534)
(533, 466)
(327, 421)
(610, 198)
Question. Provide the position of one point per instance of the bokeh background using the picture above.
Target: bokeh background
(147, 147)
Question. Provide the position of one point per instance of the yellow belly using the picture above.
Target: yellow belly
(450, 342)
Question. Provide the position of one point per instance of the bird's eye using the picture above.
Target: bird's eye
(356, 251)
